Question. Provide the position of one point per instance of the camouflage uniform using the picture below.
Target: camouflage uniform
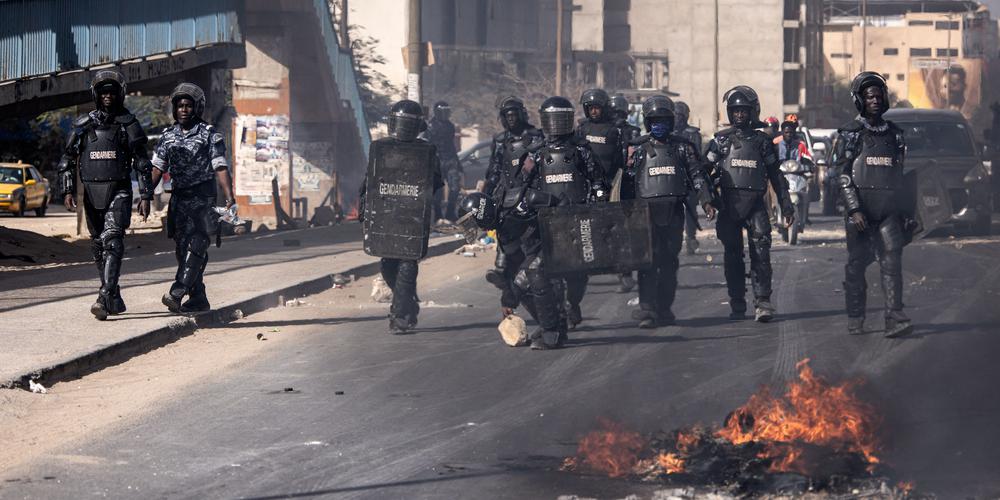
(191, 158)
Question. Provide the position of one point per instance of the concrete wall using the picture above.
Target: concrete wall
(750, 36)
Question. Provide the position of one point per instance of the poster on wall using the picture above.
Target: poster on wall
(310, 163)
(261, 155)
(944, 84)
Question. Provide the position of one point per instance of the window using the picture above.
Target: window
(647, 75)
(921, 23)
(900, 76)
(890, 51)
(938, 139)
(946, 25)
(840, 55)
(947, 52)
(920, 52)
(791, 45)
(590, 73)
(791, 85)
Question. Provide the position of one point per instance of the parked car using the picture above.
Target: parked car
(474, 162)
(22, 188)
(953, 182)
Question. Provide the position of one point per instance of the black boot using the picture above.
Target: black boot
(542, 339)
(103, 306)
(574, 316)
(856, 325)
(738, 309)
(897, 324)
(197, 300)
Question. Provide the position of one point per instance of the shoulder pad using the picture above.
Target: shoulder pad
(725, 132)
(693, 128)
(680, 139)
(893, 127)
(851, 126)
(125, 119)
(82, 121)
(209, 127)
(500, 136)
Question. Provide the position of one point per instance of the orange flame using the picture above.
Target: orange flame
(812, 411)
(688, 439)
(612, 450)
(671, 463)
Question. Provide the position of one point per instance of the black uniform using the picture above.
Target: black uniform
(107, 146)
(504, 183)
(569, 172)
(691, 226)
(872, 164)
(743, 163)
(441, 133)
(665, 173)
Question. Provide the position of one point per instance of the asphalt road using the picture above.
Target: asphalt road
(450, 412)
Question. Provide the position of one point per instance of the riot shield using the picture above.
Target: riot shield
(599, 238)
(926, 199)
(399, 193)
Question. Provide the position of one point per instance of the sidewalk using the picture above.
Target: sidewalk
(46, 329)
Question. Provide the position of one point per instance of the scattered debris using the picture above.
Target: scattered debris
(340, 279)
(237, 314)
(338, 393)
(708, 258)
(634, 301)
(381, 292)
(260, 336)
(295, 303)
(37, 387)
(514, 331)
(289, 389)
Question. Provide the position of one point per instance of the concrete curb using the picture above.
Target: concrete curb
(182, 326)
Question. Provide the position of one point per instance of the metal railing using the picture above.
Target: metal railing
(342, 63)
(40, 37)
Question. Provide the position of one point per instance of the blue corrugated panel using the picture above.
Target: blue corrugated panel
(182, 34)
(10, 42)
(132, 31)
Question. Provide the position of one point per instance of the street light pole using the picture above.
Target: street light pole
(715, 69)
(414, 49)
(864, 35)
(559, 37)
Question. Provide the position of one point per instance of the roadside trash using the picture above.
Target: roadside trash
(289, 389)
(513, 331)
(236, 314)
(294, 303)
(381, 292)
(708, 258)
(292, 243)
(486, 240)
(260, 336)
(340, 279)
(468, 254)
(338, 393)
(337, 286)
(36, 387)
(633, 301)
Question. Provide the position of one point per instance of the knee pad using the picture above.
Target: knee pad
(114, 246)
(891, 236)
(198, 244)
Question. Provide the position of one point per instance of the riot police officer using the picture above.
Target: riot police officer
(693, 135)
(441, 133)
(743, 162)
(569, 164)
(504, 179)
(402, 176)
(871, 162)
(665, 170)
(107, 144)
(194, 154)
(620, 111)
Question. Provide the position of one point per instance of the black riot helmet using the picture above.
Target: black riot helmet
(864, 80)
(190, 91)
(743, 96)
(681, 109)
(512, 103)
(595, 98)
(482, 207)
(557, 117)
(442, 110)
(104, 79)
(406, 120)
(619, 106)
(658, 108)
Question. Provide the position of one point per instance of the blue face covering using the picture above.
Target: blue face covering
(659, 130)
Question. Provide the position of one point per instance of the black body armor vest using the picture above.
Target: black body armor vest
(105, 155)
(662, 173)
(742, 164)
(561, 173)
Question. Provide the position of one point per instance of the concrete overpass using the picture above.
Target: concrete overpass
(279, 82)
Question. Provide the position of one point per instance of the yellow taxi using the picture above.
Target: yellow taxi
(22, 188)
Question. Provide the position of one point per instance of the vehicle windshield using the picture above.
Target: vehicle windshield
(11, 175)
(940, 139)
